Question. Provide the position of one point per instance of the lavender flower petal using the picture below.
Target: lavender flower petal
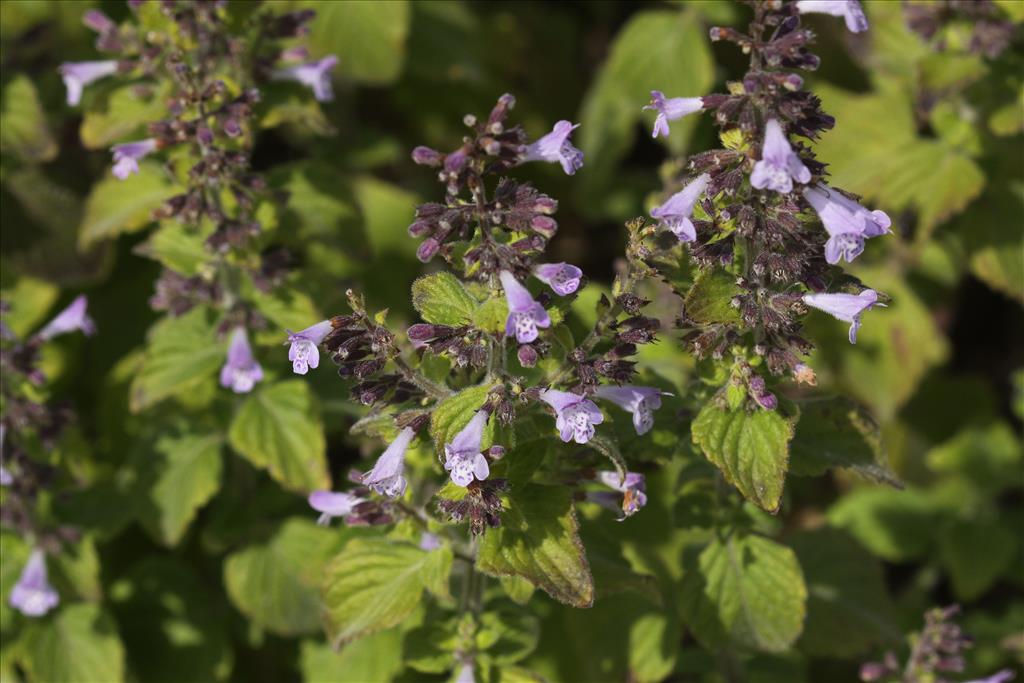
(556, 147)
(850, 10)
(387, 476)
(633, 488)
(670, 110)
(675, 213)
(315, 75)
(563, 278)
(846, 307)
(524, 314)
(77, 75)
(128, 155)
(779, 165)
(847, 222)
(241, 372)
(463, 458)
(575, 415)
(331, 505)
(640, 401)
(302, 350)
(72, 318)
(33, 595)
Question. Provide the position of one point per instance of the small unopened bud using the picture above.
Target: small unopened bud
(766, 401)
(496, 452)
(428, 249)
(98, 21)
(232, 127)
(204, 135)
(421, 332)
(420, 229)
(793, 82)
(469, 120)
(425, 156)
(527, 356)
(544, 225)
(455, 161)
(715, 33)
(545, 205)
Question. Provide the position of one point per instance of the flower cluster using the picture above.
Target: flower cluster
(27, 423)
(759, 211)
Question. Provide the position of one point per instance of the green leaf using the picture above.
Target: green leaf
(278, 428)
(751, 450)
(374, 584)
(276, 584)
(176, 247)
(376, 658)
(453, 413)
(848, 608)
(286, 307)
(976, 553)
(838, 432)
(989, 456)
(490, 316)
(78, 643)
(30, 300)
(442, 299)
(895, 525)
(646, 55)
(178, 477)
(174, 628)
(125, 111)
(367, 37)
(506, 636)
(25, 132)
(538, 540)
(925, 175)
(709, 299)
(181, 353)
(746, 591)
(123, 206)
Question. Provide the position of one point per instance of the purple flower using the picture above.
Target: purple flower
(429, 541)
(315, 75)
(386, 476)
(466, 673)
(98, 21)
(671, 109)
(555, 146)
(303, 351)
(127, 156)
(675, 213)
(331, 505)
(998, 677)
(845, 307)
(575, 415)
(72, 318)
(77, 75)
(850, 10)
(633, 489)
(563, 278)
(6, 478)
(640, 401)
(33, 595)
(847, 222)
(462, 457)
(524, 314)
(241, 372)
(779, 165)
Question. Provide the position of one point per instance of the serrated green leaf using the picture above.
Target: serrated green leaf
(975, 553)
(367, 37)
(538, 540)
(751, 450)
(747, 591)
(276, 584)
(118, 206)
(490, 316)
(181, 353)
(25, 132)
(121, 114)
(178, 477)
(506, 636)
(708, 300)
(989, 456)
(453, 413)
(442, 299)
(278, 428)
(374, 584)
(838, 433)
(848, 607)
(30, 300)
(176, 247)
(895, 525)
(378, 658)
(79, 643)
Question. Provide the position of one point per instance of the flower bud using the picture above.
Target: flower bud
(425, 156)
(527, 356)
(420, 229)
(428, 249)
(98, 21)
(544, 204)
(421, 332)
(544, 225)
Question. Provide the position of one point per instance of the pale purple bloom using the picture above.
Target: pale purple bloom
(671, 109)
(850, 10)
(128, 154)
(241, 372)
(524, 314)
(98, 21)
(466, 674)
(998, 677)
(845, 307)
(640, 401)
(77, 75)
(386, 476)
(847, 222)
(675, 213)
(555, 146)
(575, 415)
(462, 457)
(331, 505)
(563, 278)
(33, 595)
(779, 165)
(303, 351)
(72, 318)
(315, 75)
(633, 488)
(6, 478)
(429, 541)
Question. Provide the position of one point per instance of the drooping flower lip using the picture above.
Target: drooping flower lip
(331, 504)
(33, 595)
(563, 278)
(303, 349)
(779, 165)
(463, 458)
(77, 75)
(575, 415)
(556, 147)
(525, 314)
(676, 211)
(846, 307)
(641, 402)
(850, 10)
(671, 109)
(387, 476)
(314, 75)
(72, 318)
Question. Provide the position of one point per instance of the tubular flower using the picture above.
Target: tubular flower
(849, 10)
(241, 372)
(779, 165)
(72, 318)
(847, 222)
(77, 75)
(302, 350)
(33, 595)
(315, 75)
(675, 213)
(555, 146)
(386, 477)
(633, 488)
(563, 278)
(575, 415)
(128, 155)
(330, 505)
(640, 401)
(846, 307)
(524, 314)
(462, 455)
(670, 110)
